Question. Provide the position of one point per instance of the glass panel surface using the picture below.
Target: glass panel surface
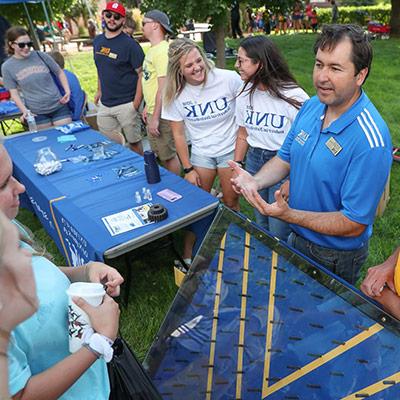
(255, 320)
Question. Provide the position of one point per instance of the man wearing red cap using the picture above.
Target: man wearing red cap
(118, 60)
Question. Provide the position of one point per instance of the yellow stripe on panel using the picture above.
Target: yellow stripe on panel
(337, 351)
(215, 320)
(375, 388)
(239, 369)
(270, 318)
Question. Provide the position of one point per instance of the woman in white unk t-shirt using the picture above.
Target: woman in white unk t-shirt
(200, 100)
(265, 110)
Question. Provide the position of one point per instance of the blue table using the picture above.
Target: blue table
(72, 202)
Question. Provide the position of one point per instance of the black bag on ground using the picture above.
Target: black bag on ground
(128, 379)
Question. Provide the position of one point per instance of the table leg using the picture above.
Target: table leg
(128, 274)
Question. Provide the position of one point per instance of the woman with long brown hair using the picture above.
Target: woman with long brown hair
(266, 108)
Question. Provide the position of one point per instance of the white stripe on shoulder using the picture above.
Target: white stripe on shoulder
(371, 129)
(366, 132)
(376, 127)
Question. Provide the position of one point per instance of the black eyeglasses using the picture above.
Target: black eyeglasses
(21, 45)
(108, 15)
(146, 22)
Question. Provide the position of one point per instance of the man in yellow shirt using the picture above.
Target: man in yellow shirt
(155, 28)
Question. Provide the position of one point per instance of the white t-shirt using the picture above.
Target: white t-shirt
(267, 119)
(208, 112)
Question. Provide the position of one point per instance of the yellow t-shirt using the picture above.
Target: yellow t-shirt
(154, 66)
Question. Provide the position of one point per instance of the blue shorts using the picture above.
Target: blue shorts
(211, 162)
(62, 112)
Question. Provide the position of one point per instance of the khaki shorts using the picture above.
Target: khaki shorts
(120, 118)
(163, 145)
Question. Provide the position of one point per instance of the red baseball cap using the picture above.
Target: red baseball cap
(116, 7)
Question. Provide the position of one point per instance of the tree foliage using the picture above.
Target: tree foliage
(15, 13)
(213, 11)
(216, 12)
(79, 8)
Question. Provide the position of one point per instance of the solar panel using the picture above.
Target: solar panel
(255, 320)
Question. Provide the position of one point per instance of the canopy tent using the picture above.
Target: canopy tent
(31, 26)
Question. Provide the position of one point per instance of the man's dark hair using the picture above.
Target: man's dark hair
(333, 34)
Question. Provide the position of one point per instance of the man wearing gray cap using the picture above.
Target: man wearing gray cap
(156, 26)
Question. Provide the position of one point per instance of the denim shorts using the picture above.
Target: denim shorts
(344, 263)
(62, 112)
(211, 162)
(255, 160)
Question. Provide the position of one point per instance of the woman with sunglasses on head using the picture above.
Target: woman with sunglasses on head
(18, 299)
(266, 108)
(201, 100)
(31, 72)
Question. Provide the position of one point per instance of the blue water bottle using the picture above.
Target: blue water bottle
(151, 167)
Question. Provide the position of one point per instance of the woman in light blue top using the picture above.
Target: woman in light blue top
(40, 364)
(18, 299)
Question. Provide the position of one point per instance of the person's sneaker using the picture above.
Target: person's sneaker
(183, 268)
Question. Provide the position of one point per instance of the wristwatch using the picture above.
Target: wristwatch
(187, 170)
(241, 163)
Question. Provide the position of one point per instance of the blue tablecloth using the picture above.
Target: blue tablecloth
(72, 202)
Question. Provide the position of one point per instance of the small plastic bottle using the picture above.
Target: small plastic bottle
(30, 119)
(148, 195)
(138, 199)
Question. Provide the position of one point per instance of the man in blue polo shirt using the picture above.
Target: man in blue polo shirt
(119, 62)
(338, 155)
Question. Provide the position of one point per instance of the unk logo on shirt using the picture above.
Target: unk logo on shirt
(210, 109)
(302, 137)
(270, 120)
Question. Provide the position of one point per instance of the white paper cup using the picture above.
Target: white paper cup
(78, 320)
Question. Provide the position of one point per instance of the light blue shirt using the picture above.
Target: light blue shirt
(77, 98)
(40, 342)
(340, 168)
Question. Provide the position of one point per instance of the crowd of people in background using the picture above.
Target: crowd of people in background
(256, 130)
(302, 17)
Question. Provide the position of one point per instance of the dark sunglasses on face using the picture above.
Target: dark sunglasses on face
(108, 15)
(21, 45)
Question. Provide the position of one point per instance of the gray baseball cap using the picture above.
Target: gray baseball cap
(161, 18)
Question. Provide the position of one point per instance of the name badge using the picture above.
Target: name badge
(113, 55)
(334, 147)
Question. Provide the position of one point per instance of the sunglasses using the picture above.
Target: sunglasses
(108, 15)
(146, 22)
(21, 45)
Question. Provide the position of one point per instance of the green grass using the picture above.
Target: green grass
(153, 288)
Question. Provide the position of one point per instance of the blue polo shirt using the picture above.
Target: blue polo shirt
(341, 168)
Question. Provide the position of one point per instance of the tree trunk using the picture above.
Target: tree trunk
(395, 19)
(220, 42)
